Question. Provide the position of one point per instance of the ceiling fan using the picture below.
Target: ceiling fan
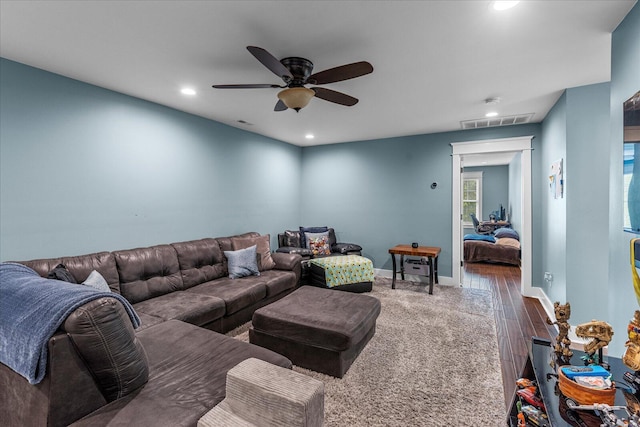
(296, 72)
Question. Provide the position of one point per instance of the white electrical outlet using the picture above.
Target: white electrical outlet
(548, 277)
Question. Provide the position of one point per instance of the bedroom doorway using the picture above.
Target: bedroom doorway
(471, 151)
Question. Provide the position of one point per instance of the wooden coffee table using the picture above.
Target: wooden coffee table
(429, 252)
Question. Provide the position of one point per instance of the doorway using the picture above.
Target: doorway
(494, 147)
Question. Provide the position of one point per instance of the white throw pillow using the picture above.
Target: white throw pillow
(95, 280)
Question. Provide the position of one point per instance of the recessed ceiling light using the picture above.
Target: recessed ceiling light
(187, 91)
(309, 136)
(491, 114)
(503, 4)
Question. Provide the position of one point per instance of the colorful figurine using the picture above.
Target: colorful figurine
(631, 356)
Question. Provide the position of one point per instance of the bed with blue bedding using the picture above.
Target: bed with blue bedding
(502, 247)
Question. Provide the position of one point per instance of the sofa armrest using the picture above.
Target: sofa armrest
(259, 393)
(67, 393)
(290, 262)
(345, 248)
(304, 252)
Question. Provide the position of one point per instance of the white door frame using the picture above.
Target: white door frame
(523, 145)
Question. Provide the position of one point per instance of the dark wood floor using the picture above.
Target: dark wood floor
(518, 318)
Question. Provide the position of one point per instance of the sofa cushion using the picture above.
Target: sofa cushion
(236, 293)
(226, 243)
(147, 320)
(292, 239)
(200, 261)
(242, 263)
(278, 281)
(60, 272)
(303, 252)
(304, 230)
(318, 243)
(265, 261)
(185, 382)
(148, 272)
(81, 266)
(196, 309)
(103, 335)
(96, 281)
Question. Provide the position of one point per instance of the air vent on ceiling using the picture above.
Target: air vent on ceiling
(496, 121)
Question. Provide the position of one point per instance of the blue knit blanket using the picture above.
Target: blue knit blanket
(32, 308)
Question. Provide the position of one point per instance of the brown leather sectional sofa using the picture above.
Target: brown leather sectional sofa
(172, 369)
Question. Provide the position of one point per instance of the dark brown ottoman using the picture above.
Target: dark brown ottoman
(316, 328)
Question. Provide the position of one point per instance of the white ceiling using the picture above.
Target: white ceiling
(435, 62)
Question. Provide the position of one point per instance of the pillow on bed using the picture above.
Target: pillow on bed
(483, 237)
(508, 241)
(506, 232)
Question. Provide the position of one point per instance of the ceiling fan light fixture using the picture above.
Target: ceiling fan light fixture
(296, 97)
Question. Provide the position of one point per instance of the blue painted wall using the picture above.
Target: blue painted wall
(553, 211)
(576, 131)
(377, 193)
(495, 188)
(587, 180)
(625, 81)
(86, 169)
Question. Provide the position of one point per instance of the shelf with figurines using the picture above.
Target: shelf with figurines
(560, 388)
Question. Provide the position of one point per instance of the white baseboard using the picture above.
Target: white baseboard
(442, 280)
(577, 343)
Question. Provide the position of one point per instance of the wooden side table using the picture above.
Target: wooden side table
(429, 252)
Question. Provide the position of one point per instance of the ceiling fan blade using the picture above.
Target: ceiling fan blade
(334, 96)
(271, 63)
(280, 106)
(250, 86)
(343, 72)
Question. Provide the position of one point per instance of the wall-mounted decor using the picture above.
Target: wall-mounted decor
(556, 182)
(631, 166)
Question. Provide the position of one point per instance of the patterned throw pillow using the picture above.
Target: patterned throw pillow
(304, 243)
(319, 245)
(242, 262)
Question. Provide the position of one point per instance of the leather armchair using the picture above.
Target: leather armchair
(290, 242)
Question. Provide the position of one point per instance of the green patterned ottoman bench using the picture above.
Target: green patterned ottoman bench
(316, 328)
(353, 273)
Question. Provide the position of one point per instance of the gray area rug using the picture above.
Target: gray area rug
(432, 362)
